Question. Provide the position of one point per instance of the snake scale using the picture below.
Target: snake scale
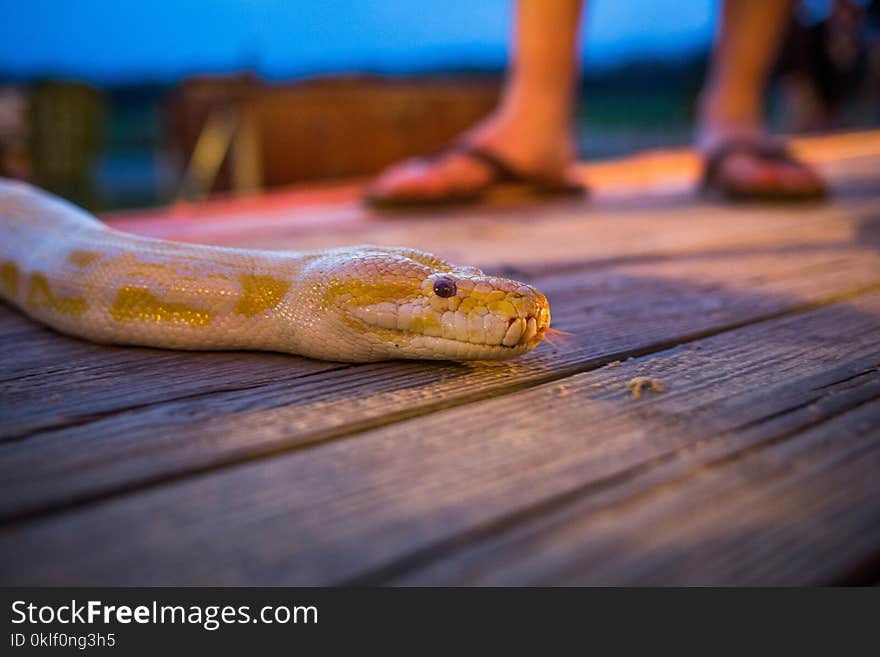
(62, 267)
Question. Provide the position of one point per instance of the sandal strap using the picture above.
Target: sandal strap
(502, 171)
(764, 151)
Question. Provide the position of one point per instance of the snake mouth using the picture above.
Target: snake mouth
(522, 331)
(474, 327)
(517, 334)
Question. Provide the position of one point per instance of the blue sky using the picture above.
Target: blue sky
(136, 40)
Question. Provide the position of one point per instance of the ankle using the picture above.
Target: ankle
(708, 137)
(531, 140)
(737, 102)
(723, 116)
(549, 113)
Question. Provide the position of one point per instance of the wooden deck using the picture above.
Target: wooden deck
(760, 464)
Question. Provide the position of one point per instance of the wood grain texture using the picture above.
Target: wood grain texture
(757, 465)
(49, 380)
(224, 408)
(789, 510)
(555, 232)
(569, 239)
(607, 227)
(399, 498)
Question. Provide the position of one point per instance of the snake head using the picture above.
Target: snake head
(402, 303)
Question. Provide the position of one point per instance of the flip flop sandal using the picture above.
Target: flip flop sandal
(504, 180)
(712, 183)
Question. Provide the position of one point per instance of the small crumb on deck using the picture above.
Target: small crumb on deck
(639, 383)
(561, 390)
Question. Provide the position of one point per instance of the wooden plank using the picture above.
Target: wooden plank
(562, 231)
(635, 237)
(842, 159)
(791, 510)
(400, 497)
(49, 380)
(634, 308)
(564, 235)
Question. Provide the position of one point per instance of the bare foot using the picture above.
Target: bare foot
(528, 147)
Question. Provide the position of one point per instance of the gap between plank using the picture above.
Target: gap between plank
(355, 428)
(93, 417)
(416, 560)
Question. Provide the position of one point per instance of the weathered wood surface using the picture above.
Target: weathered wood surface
(143, 466)
(400, 496)
(612, 313)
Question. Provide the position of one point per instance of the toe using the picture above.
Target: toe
(799, 179)
(743, 173)
(408, 177)
(420, 178)
(749, 174)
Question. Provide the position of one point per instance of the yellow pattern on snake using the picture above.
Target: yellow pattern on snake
(64, 268)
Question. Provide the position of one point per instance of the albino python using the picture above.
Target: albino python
(64, 268)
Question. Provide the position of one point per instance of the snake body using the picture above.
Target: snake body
(62, 267)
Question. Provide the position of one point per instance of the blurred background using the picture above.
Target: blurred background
(117, 105)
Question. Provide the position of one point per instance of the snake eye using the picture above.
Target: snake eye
(445, 287)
